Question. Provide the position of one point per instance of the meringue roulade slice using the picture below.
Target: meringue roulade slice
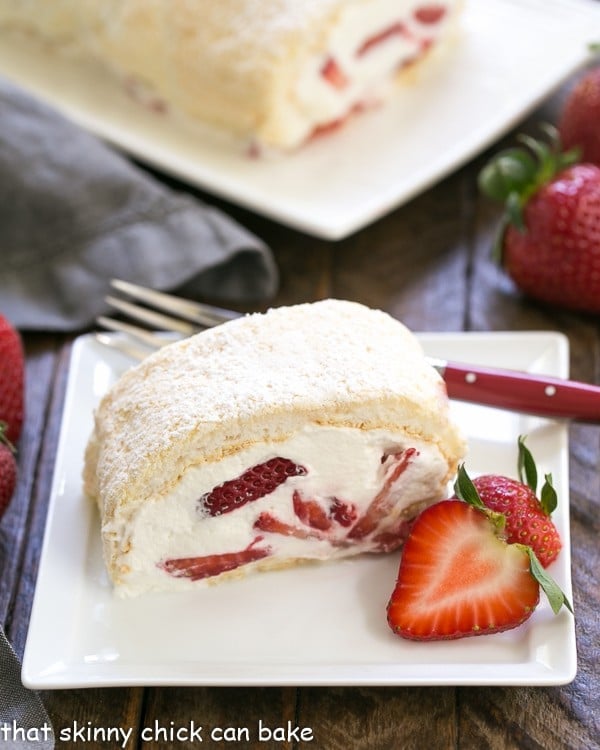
(311, 432)
(271, 73)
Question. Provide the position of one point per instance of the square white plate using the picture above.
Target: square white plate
(508, 56)
(319, 624)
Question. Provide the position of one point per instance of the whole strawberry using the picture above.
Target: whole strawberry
(579, 124)
(11, 380)
(549, 242)
(8, 470)
(527, 518)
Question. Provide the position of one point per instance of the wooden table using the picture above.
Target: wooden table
(428, 263)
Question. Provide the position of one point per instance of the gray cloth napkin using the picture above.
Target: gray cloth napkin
(75, 213)
(24, 723)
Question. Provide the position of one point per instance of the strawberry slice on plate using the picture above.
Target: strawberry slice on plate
(458, 578)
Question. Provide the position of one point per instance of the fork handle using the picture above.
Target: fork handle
(517, 391)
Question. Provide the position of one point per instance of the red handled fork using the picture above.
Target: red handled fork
(506, 389)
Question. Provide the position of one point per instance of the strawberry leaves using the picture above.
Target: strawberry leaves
(514, 175)
(528, 475)
(553, 592)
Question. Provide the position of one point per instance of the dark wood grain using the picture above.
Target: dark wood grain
(429, 264)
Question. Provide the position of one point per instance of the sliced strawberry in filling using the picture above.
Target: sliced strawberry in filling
(333, 74)
(396, 29)
(327, 519)
(317, 522)
(256, 482)
(311, 513)
(345, 514)
(269, 523)
(383, 501)
(393, 538)
(207, 566)
(326, 128)
(430, 14)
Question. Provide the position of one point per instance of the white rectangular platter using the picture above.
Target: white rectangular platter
(508, 56)
(318, 624)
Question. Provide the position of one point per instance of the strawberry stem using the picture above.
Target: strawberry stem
(464, 489)
(528, 475)
(548, 496)
(555, 595)
(526, 465)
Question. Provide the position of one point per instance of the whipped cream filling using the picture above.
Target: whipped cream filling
(343, 471)
(366, 50)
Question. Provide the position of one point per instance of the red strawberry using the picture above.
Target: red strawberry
(527, 518)
(526, 522)
(207, 566)
(313, 516)
(269, 523)
(11, 380)
(430, 14)
(256, 482)
(8, 471)
(311, 513)
(343, 513)
(332, 73)
(458, 577)
(579, 124)
(397, 29)
(549, 242)
(382, 503)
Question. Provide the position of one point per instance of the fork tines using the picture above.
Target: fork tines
(185, 317)
(197, 312)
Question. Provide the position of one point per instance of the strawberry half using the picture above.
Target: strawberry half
(527, 517)
(458, 577)
(256, 482)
